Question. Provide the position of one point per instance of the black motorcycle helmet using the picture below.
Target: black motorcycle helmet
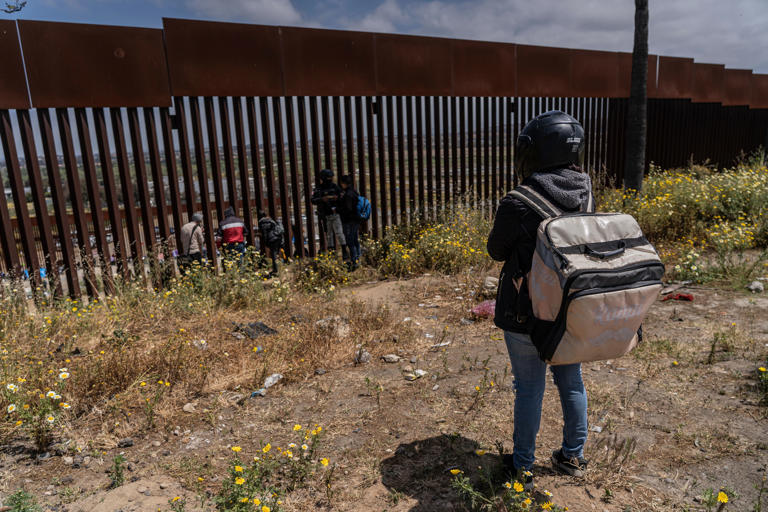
(326, 175)
(551, 140)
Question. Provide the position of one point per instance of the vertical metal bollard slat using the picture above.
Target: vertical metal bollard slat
(349, 138)
(383, 168)
(376, 203)
(454, 151)
(185, 157)
(42, 215)
(213, 155)
(495, 174)
(487, 171)
(403, 212)
(19, 199)
(362, 183)
(147, 219)
(242, 167)
(430, 183)
(438, 153)
(126, 185)
(78, 209)
(298, 223)
(392, 161)
(253, 135)
(420, 152)
(269, 169)
(156, 167)
(463, 146)
(173, 176)
(479, 168)
(97, 212)
(316, 160)
(338, 137)
(445, 176)
(229, 156)
(409, 133)
(306, 175)
(277, 112)
(59, 206)
(120, 247)
(471, 169)
(202, 179)
(325, 119)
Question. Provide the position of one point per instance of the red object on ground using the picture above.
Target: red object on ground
(679, 296)
(485, 309)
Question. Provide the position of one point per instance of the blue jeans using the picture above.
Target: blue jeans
(353, 240)
(530, 376)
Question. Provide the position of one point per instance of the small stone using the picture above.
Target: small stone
(362, 356)
(164, 485)
(142, 489)
(125, 443)
(390, 358)
(67, 480)
(272, 380)
(130, 466)
(413, 360)
(596, 428)
(68, 460)
(756, 287)
(165, 453)
(156, 444)
(319, 371)
(408, 369)
(490, 283)
(466, 321)
(419, 373)
(435, 387)
(188, 407)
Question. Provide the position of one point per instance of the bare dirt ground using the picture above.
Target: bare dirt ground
(674, 418)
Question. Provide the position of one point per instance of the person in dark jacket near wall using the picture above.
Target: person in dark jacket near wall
(232, 231)
(549, 156)
(326, 197)
(350, 219)
(272, 234)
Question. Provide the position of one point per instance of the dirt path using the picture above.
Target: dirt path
(672, 421)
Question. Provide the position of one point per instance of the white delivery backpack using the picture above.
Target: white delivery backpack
(593, 278)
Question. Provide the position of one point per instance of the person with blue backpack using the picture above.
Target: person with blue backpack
(353, 209)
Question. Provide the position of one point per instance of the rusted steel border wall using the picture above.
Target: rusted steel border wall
(148, 126)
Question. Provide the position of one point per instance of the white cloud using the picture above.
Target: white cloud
(279, 12)
(731, 33)
(385, 18)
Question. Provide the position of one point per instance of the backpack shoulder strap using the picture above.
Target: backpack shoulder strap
(536, 202)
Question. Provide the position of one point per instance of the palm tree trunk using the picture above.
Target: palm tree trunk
(634, 163)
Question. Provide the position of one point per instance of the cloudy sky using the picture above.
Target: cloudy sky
(732, 32)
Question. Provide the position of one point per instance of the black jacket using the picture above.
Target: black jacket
(348, 206)
(330, 188)
(513, 241)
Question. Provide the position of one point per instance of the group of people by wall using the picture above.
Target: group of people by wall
(338, 209)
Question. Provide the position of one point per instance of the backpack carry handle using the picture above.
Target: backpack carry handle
(607, 254)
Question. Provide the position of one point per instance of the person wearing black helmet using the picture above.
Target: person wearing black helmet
(549, 157)
(326, 197)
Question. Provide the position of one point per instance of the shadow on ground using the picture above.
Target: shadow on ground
(421, 470)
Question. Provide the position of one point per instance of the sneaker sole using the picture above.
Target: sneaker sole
(578, 473)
